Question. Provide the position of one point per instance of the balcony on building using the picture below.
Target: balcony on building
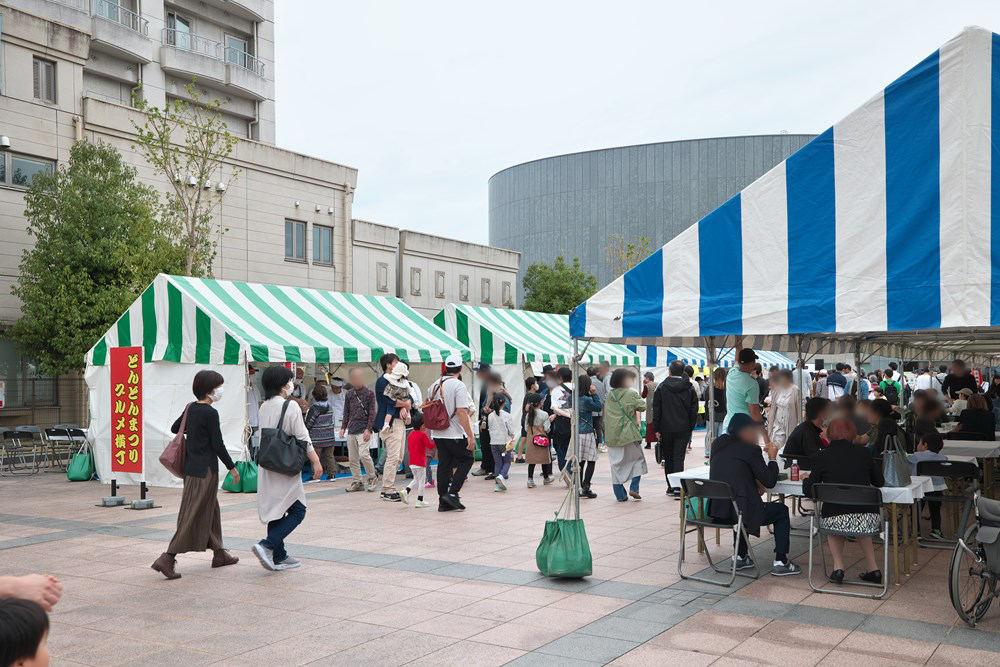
(251, 10)
(73, 13)
(120, 31)
(188, 55)
(245, 73)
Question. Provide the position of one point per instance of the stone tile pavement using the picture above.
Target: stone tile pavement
(387, 584)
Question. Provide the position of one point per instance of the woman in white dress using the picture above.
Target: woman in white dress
(785, 411)
(281, 500)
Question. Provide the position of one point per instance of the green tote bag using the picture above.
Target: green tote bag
(564, 550)
(81, 466)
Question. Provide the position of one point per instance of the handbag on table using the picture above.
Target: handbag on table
(175, 452)
(281, 452)
(895, 467)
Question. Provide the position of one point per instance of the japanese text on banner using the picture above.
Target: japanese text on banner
(126, 409)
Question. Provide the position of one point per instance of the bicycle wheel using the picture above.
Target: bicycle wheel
(969, 580)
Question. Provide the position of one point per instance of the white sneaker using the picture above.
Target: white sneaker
(603, 449)
(501, 482)
(264, 555)
(288, 564)
(404, 495)
(421, 503)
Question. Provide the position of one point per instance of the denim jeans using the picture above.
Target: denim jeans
(561, 445)
(279, 529)
(620, 493)
(501, 460)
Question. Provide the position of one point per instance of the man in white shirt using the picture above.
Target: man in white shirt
(456, 444)
(253, 413)
(923, 379)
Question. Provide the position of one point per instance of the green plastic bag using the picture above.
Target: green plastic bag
(564, 550)
(698, 506)
(81, 467)
(248, 478)
(642, 429)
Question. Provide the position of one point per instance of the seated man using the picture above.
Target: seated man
(736, 460)
(805, 442)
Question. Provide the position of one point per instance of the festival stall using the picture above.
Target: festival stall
(512, 341)
(656, 359)
(139, 374)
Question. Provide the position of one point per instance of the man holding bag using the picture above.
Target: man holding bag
(455, 443)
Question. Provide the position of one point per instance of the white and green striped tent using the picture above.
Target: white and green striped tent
(196, 320)
(501, 336)
(188, 324)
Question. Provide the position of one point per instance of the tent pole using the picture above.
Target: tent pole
(575, 389)
(857, 366)
(710, 348)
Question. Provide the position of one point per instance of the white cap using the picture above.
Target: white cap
(453, 361)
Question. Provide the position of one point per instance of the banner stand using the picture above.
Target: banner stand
(143, 503)
(114, 500)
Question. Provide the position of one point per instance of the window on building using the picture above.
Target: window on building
(22, 169)
(295, 240)
(382, 277)
(507, 296)
(236, 51)
(485, 284)
(24, 385)
(322, 244)
(179, 31)
(44, 79)
(414, 281)
(439, 284)
(463, 288)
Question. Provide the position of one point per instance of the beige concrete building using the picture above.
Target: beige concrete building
(428, 271)
(68, 69)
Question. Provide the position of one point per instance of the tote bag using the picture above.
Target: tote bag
(895, 467)
(175, 452)
(281, 452)
(564, 550)
(81, 466)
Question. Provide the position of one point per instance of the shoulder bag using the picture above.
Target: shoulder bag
(281, 452)
(175, 452)
(436, 415)
(895, 467)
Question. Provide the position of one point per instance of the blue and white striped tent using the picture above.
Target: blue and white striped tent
(654, 357)
(887, 222)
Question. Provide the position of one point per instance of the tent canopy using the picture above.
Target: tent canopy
(196, 320)
(887, 222)
(504, 336)
(652, 356)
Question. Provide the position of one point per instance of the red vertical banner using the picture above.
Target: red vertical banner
(126, 409)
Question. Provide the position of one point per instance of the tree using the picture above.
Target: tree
(187, 143)
(558, 288)
(624, 255)
(98, 244)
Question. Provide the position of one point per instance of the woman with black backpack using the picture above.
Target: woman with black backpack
(557, 401)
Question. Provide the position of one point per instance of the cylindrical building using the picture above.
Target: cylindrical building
(573, 205)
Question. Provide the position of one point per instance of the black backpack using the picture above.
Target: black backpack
(891, 393)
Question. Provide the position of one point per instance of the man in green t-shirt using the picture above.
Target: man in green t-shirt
(891, 389)
(743, 392)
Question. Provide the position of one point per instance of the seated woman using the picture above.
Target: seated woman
(886, 421)
(976, 418)
(843, 462)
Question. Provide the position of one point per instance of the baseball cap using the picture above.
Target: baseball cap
(480, 366)
(747, 356)
(453, 361)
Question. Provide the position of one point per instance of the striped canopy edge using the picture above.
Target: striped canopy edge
(887, 222)
(200, 320)
(652, 356)
(506, 336)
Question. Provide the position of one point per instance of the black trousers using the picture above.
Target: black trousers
(598, 422)
(673, 449)
(454, 463)
(487, 463)
(776, 515)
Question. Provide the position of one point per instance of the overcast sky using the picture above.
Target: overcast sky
(428, 100)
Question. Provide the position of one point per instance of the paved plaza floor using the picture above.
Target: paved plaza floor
(387, 584)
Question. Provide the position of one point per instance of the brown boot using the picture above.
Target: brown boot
(223, 558)
(165, 566)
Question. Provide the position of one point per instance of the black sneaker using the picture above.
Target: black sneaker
(744, 563)
(587, 493)
(392, 497)
(445, 507)
(457, 501)
(490, 476)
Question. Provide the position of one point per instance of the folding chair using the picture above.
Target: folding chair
(17, 445)
(697, 494)
(959, 476)
(856, 496)
(61, 444)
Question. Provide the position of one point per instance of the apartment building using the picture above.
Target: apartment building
(68, 70)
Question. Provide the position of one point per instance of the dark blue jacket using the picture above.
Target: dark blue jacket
(386, 406)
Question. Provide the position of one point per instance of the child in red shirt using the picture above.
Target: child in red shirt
(418, 445)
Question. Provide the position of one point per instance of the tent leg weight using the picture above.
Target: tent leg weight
(112, 501)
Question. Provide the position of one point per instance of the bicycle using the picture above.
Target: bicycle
(975, 562)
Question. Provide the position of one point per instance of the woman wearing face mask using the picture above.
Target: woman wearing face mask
(281, 500)
(199, 523)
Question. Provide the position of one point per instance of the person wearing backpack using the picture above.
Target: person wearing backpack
(455, 441)
(557, 402)
(892, 391)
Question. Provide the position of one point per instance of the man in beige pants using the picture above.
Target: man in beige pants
(393, 435)
(359, 417)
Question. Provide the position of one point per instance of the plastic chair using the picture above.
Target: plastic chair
(851, 495)
(705, 490)
(962, 475)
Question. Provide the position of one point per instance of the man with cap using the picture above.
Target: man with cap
(743, 392)
(456, 444)
(737, 460)
(482, 370)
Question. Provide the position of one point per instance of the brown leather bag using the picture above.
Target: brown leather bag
(436, 417)
(175, 452)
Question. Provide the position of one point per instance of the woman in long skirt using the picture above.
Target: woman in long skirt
(622, 435)
(199, 523)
